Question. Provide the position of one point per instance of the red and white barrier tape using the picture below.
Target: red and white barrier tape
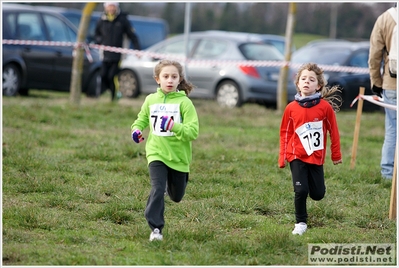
(38, 43)
(374, 99)
(52, 43)
(196, 62)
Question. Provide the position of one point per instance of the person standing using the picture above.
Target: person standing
(303, 138)
(173, 122)
(109, 31)
(385, 86)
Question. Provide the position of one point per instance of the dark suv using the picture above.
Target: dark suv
(42, 66)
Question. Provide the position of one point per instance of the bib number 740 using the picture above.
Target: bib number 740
(311, 136)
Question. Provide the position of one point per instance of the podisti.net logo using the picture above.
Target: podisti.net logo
(344, 254)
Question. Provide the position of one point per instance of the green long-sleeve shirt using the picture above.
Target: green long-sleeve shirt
(174, 148)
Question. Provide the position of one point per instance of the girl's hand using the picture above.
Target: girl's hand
(337, 162)
(137, 136)
(167, 123)
(282, 165)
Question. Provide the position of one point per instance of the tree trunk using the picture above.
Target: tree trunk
(77, 66)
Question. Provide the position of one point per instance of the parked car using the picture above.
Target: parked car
(48, 67)
(339, 54)
(149, 30)
(276, 40)
(210, 68)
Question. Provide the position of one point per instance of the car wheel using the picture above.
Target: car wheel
(11, 80)
(94, 89)
(128, 84)
(228, 94)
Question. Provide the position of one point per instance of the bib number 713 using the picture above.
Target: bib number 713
(311, 136)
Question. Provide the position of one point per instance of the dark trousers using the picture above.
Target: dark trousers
(108, 71)
(162, 175)
(308, 179)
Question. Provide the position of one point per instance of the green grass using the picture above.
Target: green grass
(75, 188)
(301, 39)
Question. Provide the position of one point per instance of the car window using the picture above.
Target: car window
(9, 26)
(360, 59)
(208, 49)
(256, 51)
(57, 29)
(142, 29)
(29, 27)
(280, 45)
(175, 48)
(75, 19)
(322, 55)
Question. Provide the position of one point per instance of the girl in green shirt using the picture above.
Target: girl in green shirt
(173, 123)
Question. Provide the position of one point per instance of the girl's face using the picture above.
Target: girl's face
(308, 83)
(168, 79)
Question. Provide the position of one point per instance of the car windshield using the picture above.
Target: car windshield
(322, 55)
(255, 51)
(174, 47)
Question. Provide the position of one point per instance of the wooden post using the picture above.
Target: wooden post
(282, 97)
(357, 127)
(75, 89)
(392, 206)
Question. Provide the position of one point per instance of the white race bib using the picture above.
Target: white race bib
(159, 110)
(311, 136)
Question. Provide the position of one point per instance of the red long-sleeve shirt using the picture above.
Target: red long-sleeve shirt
(303, 134)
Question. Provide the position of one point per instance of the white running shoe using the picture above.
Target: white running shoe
(156, 235)
(300, 228)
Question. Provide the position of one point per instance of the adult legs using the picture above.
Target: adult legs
(389, 146)
(108, 72)
(104, 76)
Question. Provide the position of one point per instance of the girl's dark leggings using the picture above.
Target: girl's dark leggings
(307, 179)
(162, 175)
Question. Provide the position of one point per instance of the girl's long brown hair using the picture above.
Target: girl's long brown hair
(184, 84)
(330, 94)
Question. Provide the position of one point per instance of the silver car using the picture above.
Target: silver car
(233, 69)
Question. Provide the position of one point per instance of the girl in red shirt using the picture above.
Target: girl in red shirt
(303, 137)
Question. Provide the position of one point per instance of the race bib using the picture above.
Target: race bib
(311, 136)
(159, 110)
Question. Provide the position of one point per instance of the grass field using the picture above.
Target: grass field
(75, 188)
(301, 39)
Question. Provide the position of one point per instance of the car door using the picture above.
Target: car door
(205, 75)
(360, 59)
(37, 58)
(59, 31)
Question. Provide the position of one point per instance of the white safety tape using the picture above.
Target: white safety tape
(196, 62)
(374, 99)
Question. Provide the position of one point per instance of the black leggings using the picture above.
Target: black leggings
(108, 72)
(307, 179)
(160, 175)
